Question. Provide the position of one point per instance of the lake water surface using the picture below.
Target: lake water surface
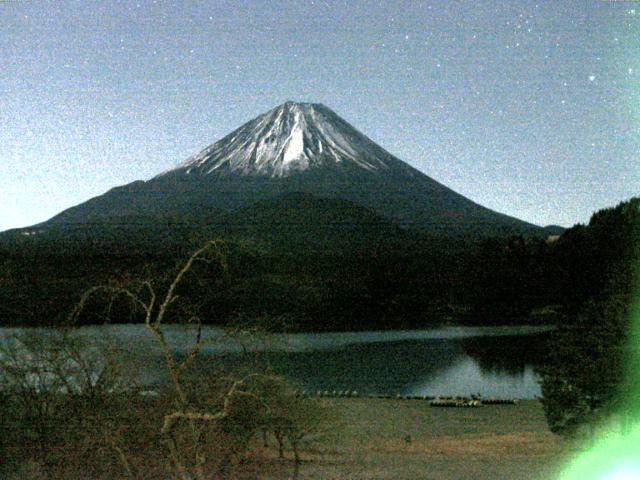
(491, 361)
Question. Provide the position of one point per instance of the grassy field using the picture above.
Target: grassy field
(408, 439)
(362, 438)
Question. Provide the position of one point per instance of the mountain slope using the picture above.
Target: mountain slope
(295, 147)
(300, 220)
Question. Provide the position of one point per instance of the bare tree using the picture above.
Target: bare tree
(201, 424)
(47, 377)
(204, 424)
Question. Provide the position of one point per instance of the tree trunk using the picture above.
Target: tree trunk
(280, 440)
(296, 459)
(296, 453)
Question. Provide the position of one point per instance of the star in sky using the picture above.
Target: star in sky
(520, 89)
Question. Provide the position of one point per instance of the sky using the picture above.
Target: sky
(530, 108)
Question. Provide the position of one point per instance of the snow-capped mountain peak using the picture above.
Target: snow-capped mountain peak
(303, 149)
(289, 138)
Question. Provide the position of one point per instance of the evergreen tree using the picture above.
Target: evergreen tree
(581, 379)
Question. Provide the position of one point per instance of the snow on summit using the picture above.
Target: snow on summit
(289, 138)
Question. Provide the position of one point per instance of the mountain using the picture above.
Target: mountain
(293, 148)
(328, 225)
(291, 138)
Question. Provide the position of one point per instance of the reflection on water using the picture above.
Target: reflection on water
(506, 355)
(380, 367)
(494, 361)
(465, 377)
(490, 366)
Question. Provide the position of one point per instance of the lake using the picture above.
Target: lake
(490, 361)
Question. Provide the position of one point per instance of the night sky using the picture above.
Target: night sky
(531, 108)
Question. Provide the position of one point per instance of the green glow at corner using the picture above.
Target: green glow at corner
(615, 457)
(626, 472)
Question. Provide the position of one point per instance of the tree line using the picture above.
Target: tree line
(403, 279)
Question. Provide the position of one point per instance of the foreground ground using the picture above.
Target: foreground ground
(408, 439)
(361, 439)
